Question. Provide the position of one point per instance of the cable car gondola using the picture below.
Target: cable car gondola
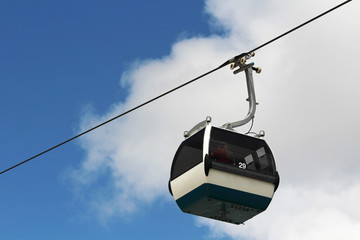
(221, 174)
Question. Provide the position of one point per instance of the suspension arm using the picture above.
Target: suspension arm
(251, 96)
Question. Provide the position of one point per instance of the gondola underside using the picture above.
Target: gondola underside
(234, 198)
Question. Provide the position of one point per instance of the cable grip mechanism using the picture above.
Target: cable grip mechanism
(240, 62)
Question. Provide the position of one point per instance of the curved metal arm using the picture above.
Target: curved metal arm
(197, 127)
(252, 100)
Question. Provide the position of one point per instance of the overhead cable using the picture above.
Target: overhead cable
(176, 88)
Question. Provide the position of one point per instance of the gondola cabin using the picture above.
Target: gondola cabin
(221, 174)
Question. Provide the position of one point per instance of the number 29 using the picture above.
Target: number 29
(242, 165)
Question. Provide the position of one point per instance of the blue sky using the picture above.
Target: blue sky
(57, 58)
(65, 66)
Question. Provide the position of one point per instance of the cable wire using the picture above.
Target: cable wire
(112, 119)
(286, 33)
(174, 89)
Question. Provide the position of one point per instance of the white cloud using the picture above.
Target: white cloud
(308, 94)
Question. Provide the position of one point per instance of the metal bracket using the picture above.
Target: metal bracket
(197, 127)
(247, 68)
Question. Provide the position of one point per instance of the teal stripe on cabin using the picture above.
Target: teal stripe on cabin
(206, 191)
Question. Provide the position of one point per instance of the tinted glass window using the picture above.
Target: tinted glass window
(241, 151)
(188, 155)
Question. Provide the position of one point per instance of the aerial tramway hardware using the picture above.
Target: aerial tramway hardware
(221, 174)
(238, 60)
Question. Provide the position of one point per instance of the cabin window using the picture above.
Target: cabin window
(263, 159)
(241, 151)
(188, 155)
